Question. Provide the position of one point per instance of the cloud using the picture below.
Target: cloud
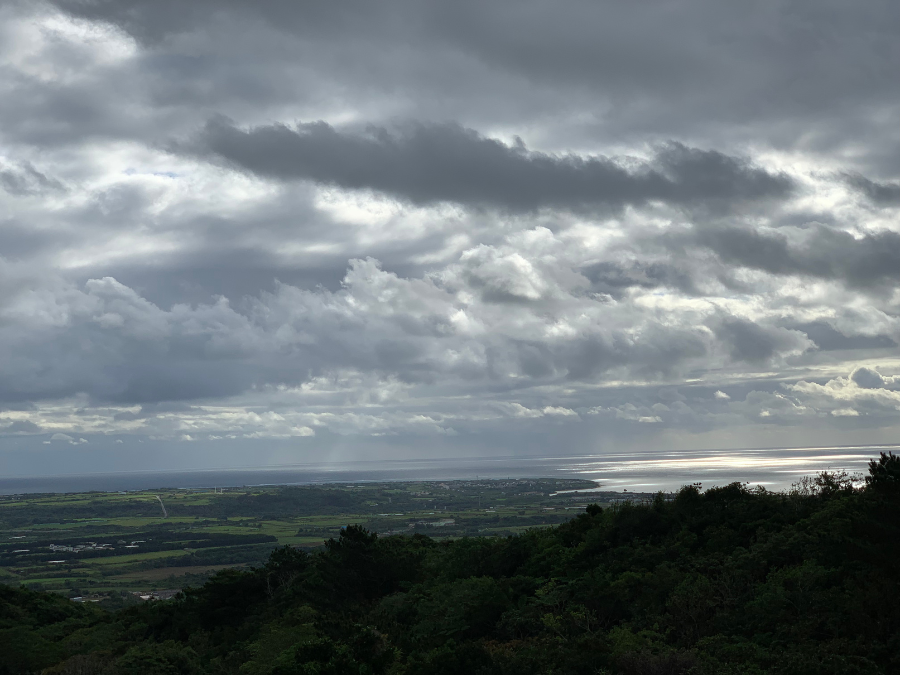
(24, 179)
(558, 411)
(864, 261)
(828, 338)
(776, 407)
(631, 413)
(68, 439)
(616, 277)
(751, 342)
(309, 230)
(882, 194)
(845, 412)
(502, 276)
(596, 68)
(867, 378)
(21, 427)
(865, 391)
(448, 163)
(108, 342)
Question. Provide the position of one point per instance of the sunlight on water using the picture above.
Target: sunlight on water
(775, 469)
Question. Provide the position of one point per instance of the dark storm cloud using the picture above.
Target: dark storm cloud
(882, 194)
(753, 343)
(864, 262)
(614, 278)
(155, 22)
(800, 74)
(435, 163)
(651, 44)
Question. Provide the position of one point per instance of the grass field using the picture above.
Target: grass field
(163, 573)
(136, 557)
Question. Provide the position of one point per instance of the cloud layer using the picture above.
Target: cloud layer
(413, 229)
(447, 163)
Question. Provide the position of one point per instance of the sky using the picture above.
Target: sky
(269, 232)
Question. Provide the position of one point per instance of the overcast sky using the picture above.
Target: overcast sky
(244, 233)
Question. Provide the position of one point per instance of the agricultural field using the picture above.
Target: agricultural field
(112, 547)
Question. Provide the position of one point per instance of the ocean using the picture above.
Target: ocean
(773, 468)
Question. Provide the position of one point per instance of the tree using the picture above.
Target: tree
(884, 473)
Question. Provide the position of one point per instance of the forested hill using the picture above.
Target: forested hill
(730, 580)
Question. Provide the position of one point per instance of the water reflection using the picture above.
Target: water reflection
(775, 469)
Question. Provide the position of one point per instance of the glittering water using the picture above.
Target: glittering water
(774, 468)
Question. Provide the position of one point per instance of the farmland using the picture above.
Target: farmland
(108, 546)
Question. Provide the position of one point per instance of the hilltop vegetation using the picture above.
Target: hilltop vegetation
(730, 580)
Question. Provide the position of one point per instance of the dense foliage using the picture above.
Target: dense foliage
(730, 580)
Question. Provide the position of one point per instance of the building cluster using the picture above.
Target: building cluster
(78, 548)
(94, 546)
(157, 595)
(434, 523)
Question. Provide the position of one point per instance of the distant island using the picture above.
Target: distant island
(459, 577)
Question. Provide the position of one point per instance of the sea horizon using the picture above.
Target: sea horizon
(775, 469)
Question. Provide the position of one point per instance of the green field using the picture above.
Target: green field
(127, 545)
